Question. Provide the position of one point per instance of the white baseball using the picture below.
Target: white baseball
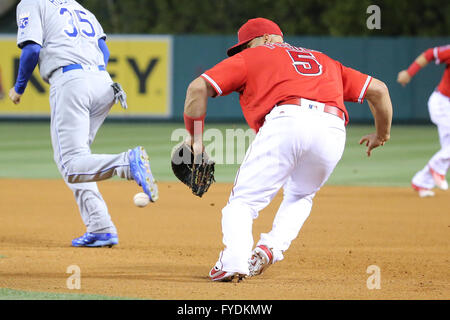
(141, 199)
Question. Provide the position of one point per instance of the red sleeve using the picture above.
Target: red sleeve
(429, 54)
(227, 76)
(442, 54)
(355, 84)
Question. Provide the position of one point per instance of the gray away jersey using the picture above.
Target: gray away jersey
(67, 33)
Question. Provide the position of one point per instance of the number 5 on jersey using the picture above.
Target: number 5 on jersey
(305, 63)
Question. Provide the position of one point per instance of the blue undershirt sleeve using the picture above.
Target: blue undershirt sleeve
(104, 48)
(28, 61)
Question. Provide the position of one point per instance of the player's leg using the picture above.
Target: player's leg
(77, 130)
(435, 170)
(79, 164)
(311, 172)
(271, 159)
(93, 209)
(423, 180)
(266, 166)
(291, 215)
(439, 107)
(440, 161)
(71, 108)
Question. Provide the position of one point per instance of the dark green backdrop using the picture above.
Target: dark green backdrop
(203, 29)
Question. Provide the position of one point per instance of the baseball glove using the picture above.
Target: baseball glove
(197, 174)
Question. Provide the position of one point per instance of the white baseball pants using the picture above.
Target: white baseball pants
(439, 109)
(297, 149)
(80, 100)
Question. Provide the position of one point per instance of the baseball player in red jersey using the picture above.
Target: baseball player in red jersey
(294, 99)
(433, 174)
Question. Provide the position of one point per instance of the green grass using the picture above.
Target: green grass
(25, 151)
(394, 164)
(9, 294)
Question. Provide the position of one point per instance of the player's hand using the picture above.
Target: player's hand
(195, 143)
(14, 96)
(403, 77)
(372, 141)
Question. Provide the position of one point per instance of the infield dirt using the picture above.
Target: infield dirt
(167, 248)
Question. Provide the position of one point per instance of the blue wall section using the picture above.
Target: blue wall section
(380, 57)
(192, 56)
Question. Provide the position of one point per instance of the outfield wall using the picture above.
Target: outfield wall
(156, 70)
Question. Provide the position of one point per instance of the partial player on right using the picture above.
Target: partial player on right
(433, 174)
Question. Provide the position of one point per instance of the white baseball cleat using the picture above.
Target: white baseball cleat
(439, 180)
(261, 259)
(423, 192)
(224, 276)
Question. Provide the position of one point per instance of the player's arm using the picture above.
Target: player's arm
(405, 76)
(224, 78)
(28, 61)
(30, 37)
(104, 49)
(358, 87)
(195, 111)
(381, 107)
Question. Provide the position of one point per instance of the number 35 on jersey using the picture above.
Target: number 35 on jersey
(77, 23)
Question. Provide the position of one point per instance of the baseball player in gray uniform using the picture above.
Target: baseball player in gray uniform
(68, 43)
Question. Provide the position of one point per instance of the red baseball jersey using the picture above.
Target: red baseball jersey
(266, 75)
(441, 55)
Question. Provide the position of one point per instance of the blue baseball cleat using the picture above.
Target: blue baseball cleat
(96, 240)
(140, 170)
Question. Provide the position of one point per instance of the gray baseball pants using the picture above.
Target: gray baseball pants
(80, 100)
